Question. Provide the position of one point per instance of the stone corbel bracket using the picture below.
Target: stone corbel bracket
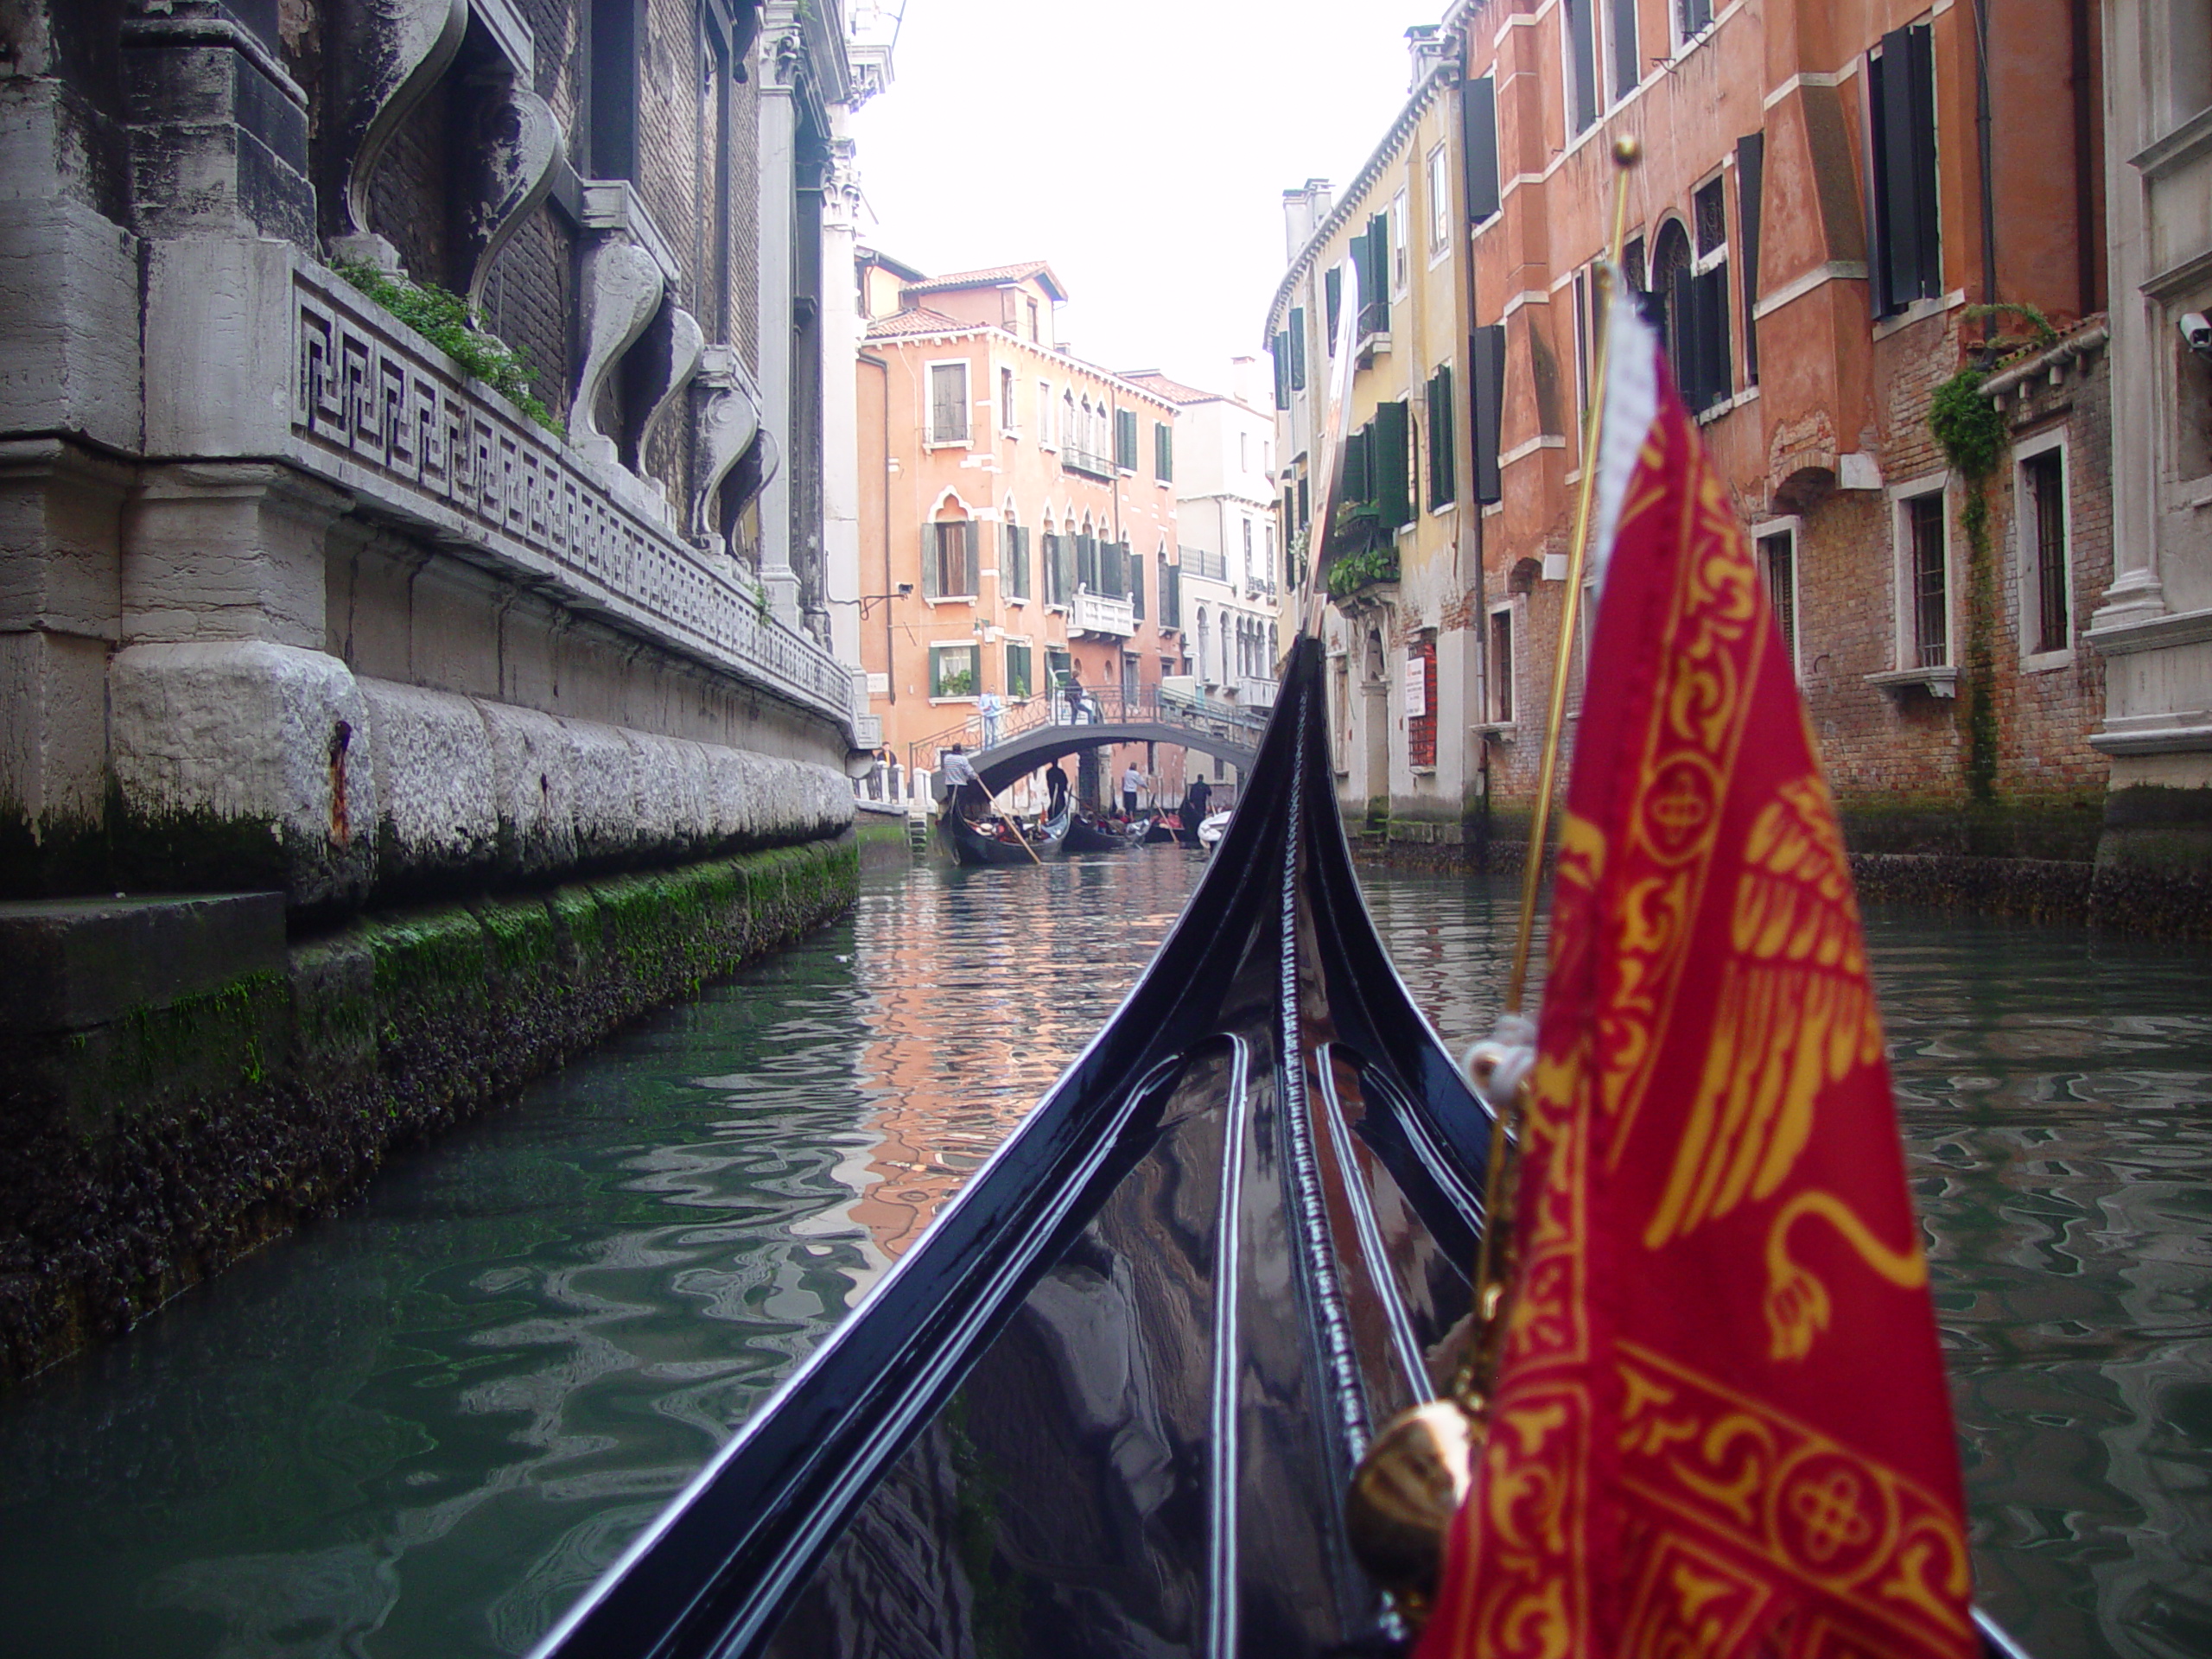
(622, 274)
(513, 141)
(660, 367)
(385, 57)
(725, 425)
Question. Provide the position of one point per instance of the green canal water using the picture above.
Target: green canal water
(418, 1430)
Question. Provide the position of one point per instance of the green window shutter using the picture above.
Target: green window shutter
(1297, 348)
(1137, 588)
(1486, 373)
(1391, 461)
(1478, 145)
(1163, 451)
(1111, 572)
(1442, 444)
(1086, 562)
(1374, 316)
(1281, 355)
(1125, 439)
(1332, 297)
(930, 569)
(1356, 490)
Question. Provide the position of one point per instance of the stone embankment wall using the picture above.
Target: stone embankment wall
(179, 1085)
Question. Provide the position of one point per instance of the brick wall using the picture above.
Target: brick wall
(527, 298)
(407, 192)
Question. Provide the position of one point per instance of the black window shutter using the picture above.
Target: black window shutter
(1750, 165)
(1355, 485)
(1393, 464)
(1486, 373)
(1628, 58)
(1333, 292)
(1282, 371)
(1297, 348)
(1920, 47)
(1681, 334)
(1901, 217)
(1479, 138)
(1582, 41)
(1713, 309)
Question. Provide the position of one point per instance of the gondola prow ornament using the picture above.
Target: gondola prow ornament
(1707, 1414)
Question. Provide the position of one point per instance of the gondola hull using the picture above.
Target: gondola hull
(969, 845)
(1109, 1402)
(1083, 836)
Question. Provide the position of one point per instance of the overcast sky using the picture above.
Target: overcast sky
(1141, 147)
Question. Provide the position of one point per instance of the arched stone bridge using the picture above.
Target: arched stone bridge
(1029, 734)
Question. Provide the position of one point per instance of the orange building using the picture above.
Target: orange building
(1017, 517)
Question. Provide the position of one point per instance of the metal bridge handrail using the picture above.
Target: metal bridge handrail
(1106, 706)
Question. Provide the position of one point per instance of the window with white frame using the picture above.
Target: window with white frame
(1924, 556)
(1439, 200)
(1005, 400)
(952, 670)
(1691, 18)
(1497, 697)
(1400, 270)
(948, 403)
(1777, 546)
(1044, 413)
(2046, 548)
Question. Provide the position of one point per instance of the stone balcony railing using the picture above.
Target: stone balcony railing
(365, 403)
(1098, 613)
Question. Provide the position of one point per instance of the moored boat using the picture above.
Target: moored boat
(1096, 835)
(995, 842)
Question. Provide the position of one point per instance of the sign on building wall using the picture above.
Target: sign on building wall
(1416, 684)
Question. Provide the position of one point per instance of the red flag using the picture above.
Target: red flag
(1720, 1425)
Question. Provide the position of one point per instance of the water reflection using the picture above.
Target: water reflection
(421, 1427)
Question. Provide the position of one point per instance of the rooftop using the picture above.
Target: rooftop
(993, 276)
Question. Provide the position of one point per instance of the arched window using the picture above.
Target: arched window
(1670, 258)
(1205, 673)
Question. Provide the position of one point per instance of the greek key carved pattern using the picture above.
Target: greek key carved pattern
(361, 393)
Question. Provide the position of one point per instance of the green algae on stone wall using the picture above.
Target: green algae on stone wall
(143, 1156)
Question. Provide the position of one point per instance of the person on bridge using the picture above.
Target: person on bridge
(1132, 781)
(1056, 790)
(963, 790)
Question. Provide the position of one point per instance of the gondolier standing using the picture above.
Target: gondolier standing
(963, 790)
(1056, 790)
(1132, 782)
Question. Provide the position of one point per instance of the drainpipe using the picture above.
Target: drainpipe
(1981, 121)
(2085, 203)
(883, 367)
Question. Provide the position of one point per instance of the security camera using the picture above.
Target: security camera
(2197, 332)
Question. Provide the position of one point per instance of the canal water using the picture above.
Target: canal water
(418, 1429)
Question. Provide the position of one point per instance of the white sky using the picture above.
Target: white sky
(1141, 147)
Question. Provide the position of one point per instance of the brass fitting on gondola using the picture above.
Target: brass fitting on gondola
(1399, 1508)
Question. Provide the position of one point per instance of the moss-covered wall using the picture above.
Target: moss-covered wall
(141, 1156)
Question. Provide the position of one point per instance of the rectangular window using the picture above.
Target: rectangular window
(1439, 200)
(1583, 351)
(1901, 121)
(949, 561)
(1281, 354)
(948, 403)
(2042, 524)
(1443, 445)
(1701, 303)
(1018, 683)
(1171, 594)
(1086, 564)
(1125, 439)
(1114, 569)
(1778, 565)
(1332, 297)
(1927, 591)
(1400, 244)
(1005, 400)
(1628, 62)
(1581, 65)
(952, 672)
(1136, 588)
(1045, 414)
(1163, 452)
(1013, 560)
(1052, 568)
(1421, 703)
(1500, 693)
(1371, 263)
(1251, 571)
(1297, 332)
(1486, 369)
(1305, 502)
(1391, 463)
(1692, 19)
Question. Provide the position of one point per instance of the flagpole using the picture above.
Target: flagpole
(1627, 152)
(1419, 1470)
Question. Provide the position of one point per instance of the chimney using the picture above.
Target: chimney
(1429, 47)
(1302, 210)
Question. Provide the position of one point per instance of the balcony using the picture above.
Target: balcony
(1206, 566)
(1073, 459)
(1374, 332)
(1255, 693)
(1098, 613)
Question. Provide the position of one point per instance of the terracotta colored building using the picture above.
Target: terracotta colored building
(1818, 225)
(1017, 516)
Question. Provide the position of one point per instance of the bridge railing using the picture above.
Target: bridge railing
(1196, 713)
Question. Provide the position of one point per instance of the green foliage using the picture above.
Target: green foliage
(960, 682)
(444, 318)
(1967, 424)
(2041, 330)
(1355, 570)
